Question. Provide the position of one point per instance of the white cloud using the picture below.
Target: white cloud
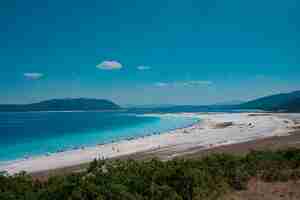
(143, 67)
(199, 82)
(185, 83)
(33, 75)
(161, 84)
(109, 65)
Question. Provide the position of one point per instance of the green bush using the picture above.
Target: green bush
(178, 179)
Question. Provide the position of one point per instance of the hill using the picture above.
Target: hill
(289, 102)
(62, 105)
(283, 101)
(292, 106)
(229, 103)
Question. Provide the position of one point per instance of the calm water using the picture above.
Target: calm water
(36, 133)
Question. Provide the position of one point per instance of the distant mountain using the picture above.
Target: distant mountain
(230, 103)
(292, 106)
(289, 102)
(63, 105)
(284, 101)
(131, 106)
(183, 108)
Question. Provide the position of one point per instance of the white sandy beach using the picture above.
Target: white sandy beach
(213, 130)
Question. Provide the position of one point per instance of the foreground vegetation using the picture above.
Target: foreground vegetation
(206, 178)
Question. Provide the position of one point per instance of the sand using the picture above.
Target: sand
(214, 130)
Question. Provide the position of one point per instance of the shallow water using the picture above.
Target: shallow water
(37, 133)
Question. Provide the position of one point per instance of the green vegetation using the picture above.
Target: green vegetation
(210, 177)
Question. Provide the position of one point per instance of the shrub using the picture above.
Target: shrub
(179, 179)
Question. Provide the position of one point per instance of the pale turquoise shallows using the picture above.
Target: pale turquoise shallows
(38, 133)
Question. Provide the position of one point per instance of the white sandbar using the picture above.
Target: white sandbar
(213, 130)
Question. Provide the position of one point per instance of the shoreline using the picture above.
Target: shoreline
(5, 163)
(270, 143)
(112, 141)
(213, 130)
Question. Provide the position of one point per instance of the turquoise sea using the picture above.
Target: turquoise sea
(37, 133)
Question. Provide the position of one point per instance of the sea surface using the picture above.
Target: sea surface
(37, 133)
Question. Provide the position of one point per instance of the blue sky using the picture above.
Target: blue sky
(148, 52)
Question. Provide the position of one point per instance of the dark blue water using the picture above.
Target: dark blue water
(36, 133)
